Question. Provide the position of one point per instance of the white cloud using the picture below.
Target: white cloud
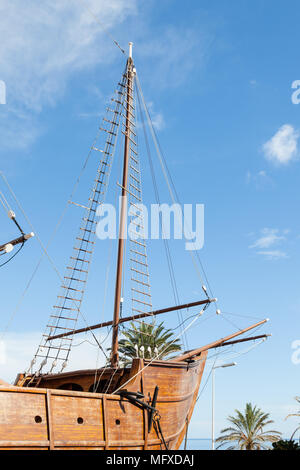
(283, 146)
(43, 44)
(18, 128)
(89, 115)
(273, 254)
(269, 238)
(260, 179)
(158, 121)
(176, 52)
(156, 117)
(46, 42)
(18, 349)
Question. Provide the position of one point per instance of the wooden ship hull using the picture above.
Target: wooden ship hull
(48, 417)
(146, 406)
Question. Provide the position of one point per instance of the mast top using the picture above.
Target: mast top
(130, 50)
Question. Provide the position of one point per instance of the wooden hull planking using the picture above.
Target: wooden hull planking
(52, 418)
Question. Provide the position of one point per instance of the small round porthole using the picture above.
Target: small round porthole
(38, 419)
(80, 420)
(118, 422)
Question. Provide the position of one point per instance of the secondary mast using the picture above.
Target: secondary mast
(118, 288)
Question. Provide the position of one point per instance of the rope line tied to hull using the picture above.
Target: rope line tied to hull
(158, 430)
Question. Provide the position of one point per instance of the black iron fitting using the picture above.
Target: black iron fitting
(134, 398)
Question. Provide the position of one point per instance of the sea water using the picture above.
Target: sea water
(197, 444)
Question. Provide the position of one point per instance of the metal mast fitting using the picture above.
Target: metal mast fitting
(130, 50)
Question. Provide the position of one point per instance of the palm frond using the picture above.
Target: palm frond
(150, 336)
(247, 430)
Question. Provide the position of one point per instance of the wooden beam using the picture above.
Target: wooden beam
(243, 340)
(215, 344)
(17, 241)
(134, 317)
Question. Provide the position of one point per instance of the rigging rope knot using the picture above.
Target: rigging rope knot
(54, 364)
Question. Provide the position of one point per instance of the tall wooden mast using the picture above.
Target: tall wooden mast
(128, 101)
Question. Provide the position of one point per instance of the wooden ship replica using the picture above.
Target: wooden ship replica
(144, 406)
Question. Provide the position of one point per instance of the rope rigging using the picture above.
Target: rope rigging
(156, 192)
(221, 354)
(103, 27)
(159, 354)
(45, 248)
(172, 189)
(13, 256)
(79, 271)
(9, 246)
(74, 282)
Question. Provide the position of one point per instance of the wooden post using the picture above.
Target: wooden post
(49, 419)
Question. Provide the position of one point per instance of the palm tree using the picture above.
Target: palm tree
(295, 414)
(247, 430)
(147, 341)
(285, 444)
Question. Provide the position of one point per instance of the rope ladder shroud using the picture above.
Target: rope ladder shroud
(141, 297)
(69, 300)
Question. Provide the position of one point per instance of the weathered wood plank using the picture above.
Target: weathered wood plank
(86, 420)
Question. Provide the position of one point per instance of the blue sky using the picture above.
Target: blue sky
(217, 77)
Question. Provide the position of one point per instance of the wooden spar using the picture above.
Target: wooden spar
(118, 288)
(215, 344)
(134, 317)
(243, 340)
(17, 241)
